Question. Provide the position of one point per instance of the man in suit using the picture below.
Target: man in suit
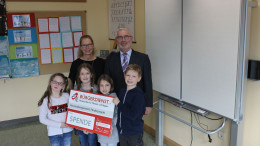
(115, 64)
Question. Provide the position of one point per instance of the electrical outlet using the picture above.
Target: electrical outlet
(221, 135)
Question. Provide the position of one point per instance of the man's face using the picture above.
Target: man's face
(124, 40)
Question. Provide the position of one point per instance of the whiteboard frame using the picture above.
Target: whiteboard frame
(238, 94)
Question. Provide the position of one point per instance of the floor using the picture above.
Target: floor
(35, 134)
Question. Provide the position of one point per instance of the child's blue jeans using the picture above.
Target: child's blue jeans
(108, 144)
(87, 139)
(61, 140)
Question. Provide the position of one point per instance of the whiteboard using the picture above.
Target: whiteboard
(194, 53)
(210, 54)
(163, 44)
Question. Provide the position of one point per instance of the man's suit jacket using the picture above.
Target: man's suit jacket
(114, 69)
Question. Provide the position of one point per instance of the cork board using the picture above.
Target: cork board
(58, 67)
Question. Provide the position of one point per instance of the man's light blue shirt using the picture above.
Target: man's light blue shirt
(128, 56)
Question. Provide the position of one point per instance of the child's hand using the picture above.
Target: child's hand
(116, 100)
(87, 132)
(111, 130)
(63, 125)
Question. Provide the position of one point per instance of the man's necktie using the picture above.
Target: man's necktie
(125, 62)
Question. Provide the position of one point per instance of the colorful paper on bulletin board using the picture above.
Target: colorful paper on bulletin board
(46, 56)
(64, 24)
(24, 67)
(54, 24)
(44, 40)
(76, 38)
(43, 25)
(20, 20)
(22, 36)
(4, 67)
(23, 51)
(57, 55)
(68, 55)
(67, 40)
(3, 45)
(76, 23)
(55, 40)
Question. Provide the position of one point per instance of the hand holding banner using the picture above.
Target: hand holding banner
(90, 111)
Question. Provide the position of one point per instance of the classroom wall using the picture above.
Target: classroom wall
(19, 96)
(252, 110)
(26, 97)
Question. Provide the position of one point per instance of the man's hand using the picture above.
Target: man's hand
(148, 110)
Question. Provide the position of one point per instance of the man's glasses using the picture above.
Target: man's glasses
(126, 37)
(86, 45)
(57, 83)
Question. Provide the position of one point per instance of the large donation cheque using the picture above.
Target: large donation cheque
(90, 111)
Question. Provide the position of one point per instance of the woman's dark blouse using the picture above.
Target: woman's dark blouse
(98, 65)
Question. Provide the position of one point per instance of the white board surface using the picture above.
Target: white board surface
(210, 51)
(163, 44)
(203, 69)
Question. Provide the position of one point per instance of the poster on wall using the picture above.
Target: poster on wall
(23, 51)
(20, 20)
(68, 55)
(57, 55)
(24, 67)
(43, 25)
(21, 36)
(54, 24)
(4, 60)
(76, 23)
(64, 24)
(3, 45)
(55, 40)
(46, 56)
(76, 38)
(121, 15)
(4, 67)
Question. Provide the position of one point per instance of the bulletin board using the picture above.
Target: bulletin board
(58, 67)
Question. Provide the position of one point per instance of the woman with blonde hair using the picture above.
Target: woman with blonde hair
(86, 54)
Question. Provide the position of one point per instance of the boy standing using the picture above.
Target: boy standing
(131, 108)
